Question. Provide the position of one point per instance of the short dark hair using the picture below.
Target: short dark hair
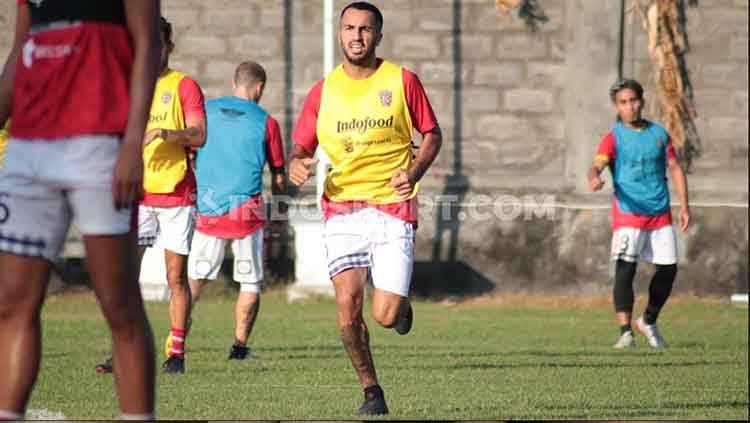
(368, 7)
(249, 72)
(626, 84)
(165, 28)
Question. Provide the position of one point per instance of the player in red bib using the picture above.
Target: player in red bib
(75, 153)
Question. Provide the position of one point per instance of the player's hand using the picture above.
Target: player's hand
(595, 184)
(151, 135)
(127, 180)
(300, 170)
(684, 218)
(402, 183)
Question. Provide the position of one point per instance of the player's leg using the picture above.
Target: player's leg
(111, 250)
(626, 248)
(203, 264)
(23, 283)
(179, 307)
(175, 233)
(349, 287)
(661, 250)
(33, 223)
(624, 297)
(248, 272)
(196, 287)
(112, 262)
(391, 270)
(347, 242)
(245, 313)
(148, 230)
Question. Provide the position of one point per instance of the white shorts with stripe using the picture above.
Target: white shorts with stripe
(47, 184)
(207, 255)
(657, 246)
(370, 238)
(170, 228)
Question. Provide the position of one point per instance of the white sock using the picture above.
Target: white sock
(10, 415)
(129, 416)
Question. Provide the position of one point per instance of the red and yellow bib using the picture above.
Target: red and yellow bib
(365, 128)
(165, 164)
(4, 135)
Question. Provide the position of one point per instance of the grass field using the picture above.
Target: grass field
(485, 360)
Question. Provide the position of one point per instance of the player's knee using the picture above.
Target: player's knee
(669, 270)
(177, 279)
(348, 302)
(10, 310)
(15, 307)
(120, 312)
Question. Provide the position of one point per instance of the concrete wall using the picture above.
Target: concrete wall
(522, 113)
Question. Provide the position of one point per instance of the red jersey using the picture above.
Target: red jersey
(73, 74)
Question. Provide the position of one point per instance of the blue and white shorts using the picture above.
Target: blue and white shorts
(46, 184)
(378, 241)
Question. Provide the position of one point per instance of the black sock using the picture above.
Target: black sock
(625, 328)
(623, 290)
(658, 291)
(374, 391)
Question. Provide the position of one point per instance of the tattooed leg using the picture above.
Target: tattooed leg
(356, 340)
(350, 292)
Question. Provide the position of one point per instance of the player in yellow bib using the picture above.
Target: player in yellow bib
(362, 115)
(176, 127)
(4, 131)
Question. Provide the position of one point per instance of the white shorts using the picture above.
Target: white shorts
(370, 238)
(207, 255)
(170, 228)
(658, 246)
(46, 184)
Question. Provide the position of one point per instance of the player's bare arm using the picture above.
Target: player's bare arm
(23, 21)
(192, 136)
(404, 181)
(278, 187)
(301, 166)
(595, 181)
(142, 17)
(680, 183)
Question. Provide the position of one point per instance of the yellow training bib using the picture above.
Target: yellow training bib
(165, 164)
(4, 135)
(365, 128)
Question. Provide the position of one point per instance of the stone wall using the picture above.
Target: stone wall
(521, 112)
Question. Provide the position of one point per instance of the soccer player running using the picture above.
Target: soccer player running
(241, 138)
(362, 115)
(639, 154)
(90, 124)
(177, 125)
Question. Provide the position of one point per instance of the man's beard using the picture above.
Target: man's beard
(364, 60)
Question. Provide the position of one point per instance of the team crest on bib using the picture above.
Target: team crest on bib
(166, 98)
(386, 97)
(348, 145)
